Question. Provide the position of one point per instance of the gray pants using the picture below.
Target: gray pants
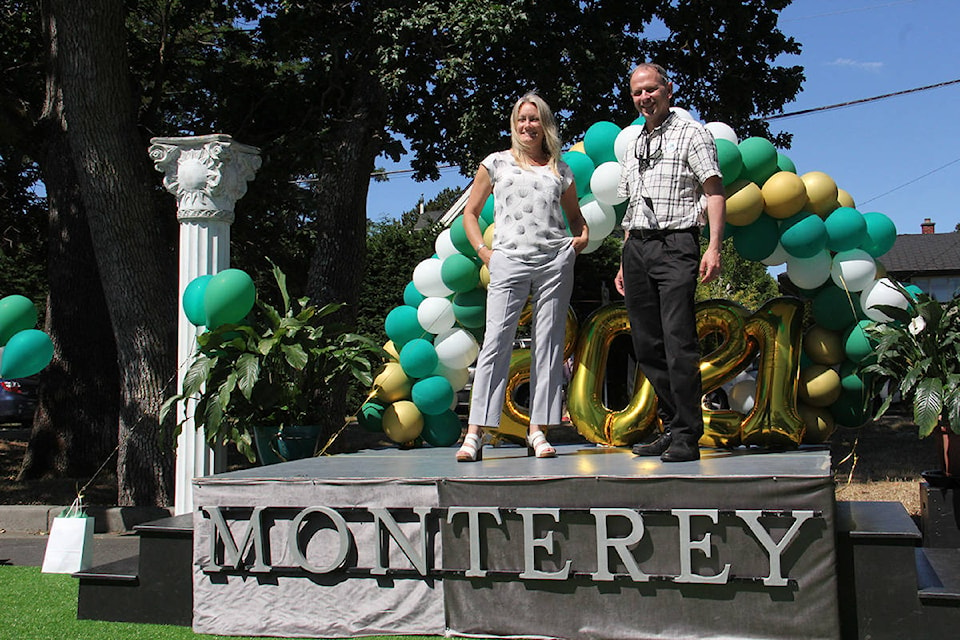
(510, 283)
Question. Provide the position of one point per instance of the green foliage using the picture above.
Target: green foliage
(918, 354)
(741, 280)
(269, 372)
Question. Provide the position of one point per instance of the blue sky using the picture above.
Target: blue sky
(899, 156)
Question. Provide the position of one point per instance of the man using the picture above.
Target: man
(672, 177)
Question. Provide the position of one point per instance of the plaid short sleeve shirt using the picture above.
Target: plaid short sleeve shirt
(663, 172)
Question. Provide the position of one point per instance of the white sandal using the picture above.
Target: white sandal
(538, 446)
(472, 448)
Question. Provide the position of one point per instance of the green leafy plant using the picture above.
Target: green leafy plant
(918, 354)
(268, 373)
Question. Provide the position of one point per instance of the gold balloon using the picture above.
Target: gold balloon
(391, 350)
(818, 423)
(776, 328)
(391, 384)
(592, 419)
(725, 321)
(488, 235)
(402, 421)
(845, 199)
(823, 346)
(484, 276)
(819, 385)
(744, 203)
(822, 192)
(579, 147)
(784, 194)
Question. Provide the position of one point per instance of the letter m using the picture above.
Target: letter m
(233, 554)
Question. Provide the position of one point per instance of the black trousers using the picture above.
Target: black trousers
(660, 272)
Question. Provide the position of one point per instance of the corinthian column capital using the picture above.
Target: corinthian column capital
(207, 174)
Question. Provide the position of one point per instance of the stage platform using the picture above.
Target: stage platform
(596, 543)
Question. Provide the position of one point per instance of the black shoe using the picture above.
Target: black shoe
(681, 451)
(655, 448)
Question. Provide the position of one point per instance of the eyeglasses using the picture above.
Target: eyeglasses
(648, 159)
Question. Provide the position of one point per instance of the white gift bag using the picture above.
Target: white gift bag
(70, 545)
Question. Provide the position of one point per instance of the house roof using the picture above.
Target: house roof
(915, 253)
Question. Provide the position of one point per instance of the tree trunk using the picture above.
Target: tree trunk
(339, 257)
(135, 263)
(75, 427)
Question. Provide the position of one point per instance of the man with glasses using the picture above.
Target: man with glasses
(672, 177)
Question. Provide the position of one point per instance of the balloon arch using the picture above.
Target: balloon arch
(786, 384)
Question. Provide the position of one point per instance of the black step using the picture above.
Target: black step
(938, 576)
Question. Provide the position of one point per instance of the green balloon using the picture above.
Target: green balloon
(881, 234)
(26, 353)
(441, 430)
(758, 239)
(598, 142)
(459, 273)
(803, 235)
(582, 167)
(731, 163)
(470, 308)
(486, 214)
(193, 300)
(370, 416)
(856, 343)
(458, 236)
(850, 409)
(402, 326)
(228, 298)
(759, 159)
(832, 309)
(411, 296)
(17, 313)
(785, 164)
(850, 378)
(846, 229)
(432, 395)
(418, 358)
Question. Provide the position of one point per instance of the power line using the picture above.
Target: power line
(908, 183)
(840, 105)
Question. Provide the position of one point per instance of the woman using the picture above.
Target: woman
(532, 253)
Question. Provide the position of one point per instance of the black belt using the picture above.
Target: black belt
(649, 234)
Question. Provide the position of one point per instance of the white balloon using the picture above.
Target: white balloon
(427, 280)
(779, 256)
(604, 182)
(853, 270)
(722, 131)
(809, 273)
(882, 292)
(592, 245)
(600, 217)
(444, 245)
(456, 348)
(435, 314)
(458, 378)
(683, 113)
(742, 396)
(626, 140)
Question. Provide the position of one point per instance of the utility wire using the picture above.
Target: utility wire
(917, 179)
(840, 105)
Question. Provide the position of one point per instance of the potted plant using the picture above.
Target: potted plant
(265, 374)
(918, 354)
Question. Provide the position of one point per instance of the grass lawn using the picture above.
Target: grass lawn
(43, 606)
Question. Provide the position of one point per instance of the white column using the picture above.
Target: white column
(207, 174)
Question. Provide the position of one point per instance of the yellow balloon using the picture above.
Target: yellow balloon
(822, 193)
(744, 203)
(578, 147)
(818, 423)
(819, 386)
(488, 235)
(391, 350)
(590, 416)
(784, 194)
(823, 346)
(881, 270)
(845, 199)
(391, 384)
(402, 421)
(484, 276)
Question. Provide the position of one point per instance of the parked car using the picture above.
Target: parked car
(18, 400)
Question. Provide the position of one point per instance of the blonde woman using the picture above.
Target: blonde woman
(532, 255)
